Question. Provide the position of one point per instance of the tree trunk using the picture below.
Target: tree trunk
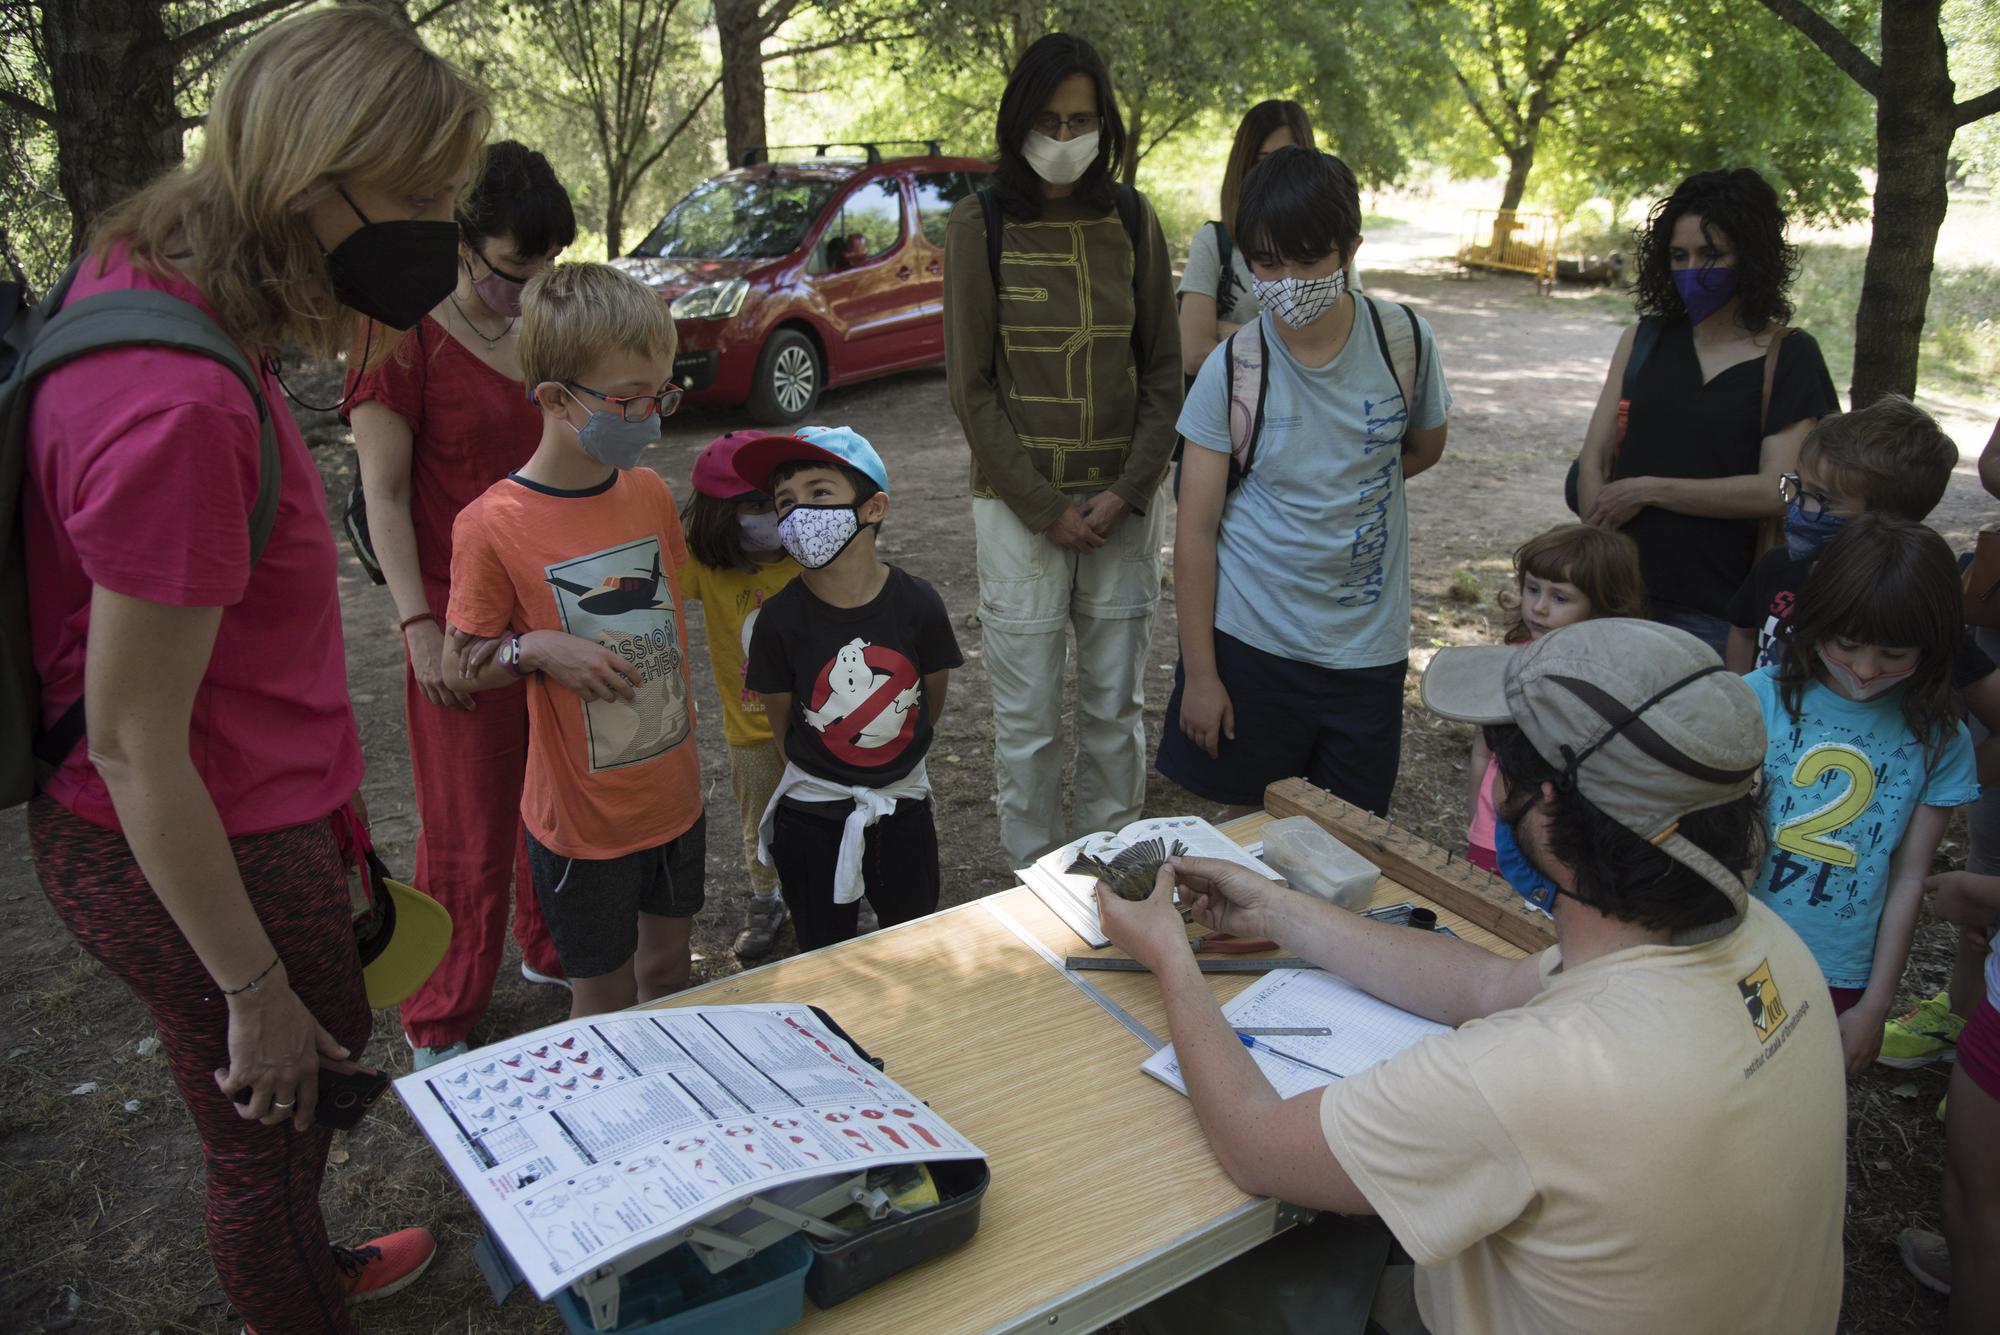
(111, 70)
(1913, 133)
(1520, 161)
(614, 218)
(1135, 124)
(739, 28)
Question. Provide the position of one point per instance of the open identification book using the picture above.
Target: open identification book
(1365, 1029)
(1073, 896)
(582, 1141)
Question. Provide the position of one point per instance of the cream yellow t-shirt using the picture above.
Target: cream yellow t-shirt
(1655, 1143)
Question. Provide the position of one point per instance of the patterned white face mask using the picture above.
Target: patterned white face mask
(1300, 301)
(815, 534)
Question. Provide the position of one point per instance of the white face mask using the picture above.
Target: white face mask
(816, 534)
(1300, 301)
(1060, 161)
(1857, 689)
(760, 532)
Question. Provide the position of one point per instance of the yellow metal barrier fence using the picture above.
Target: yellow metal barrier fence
(1514, 241)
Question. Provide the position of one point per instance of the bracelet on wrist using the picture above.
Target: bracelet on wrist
(403, 626)
(251, 986)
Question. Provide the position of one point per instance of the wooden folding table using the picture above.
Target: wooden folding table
(1104, 1194)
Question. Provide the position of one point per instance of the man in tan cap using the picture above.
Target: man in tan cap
(1640, 1129)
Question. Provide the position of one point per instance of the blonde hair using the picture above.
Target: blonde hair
(572, 314)
(343, 92)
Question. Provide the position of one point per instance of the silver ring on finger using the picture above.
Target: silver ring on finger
(284, 1107)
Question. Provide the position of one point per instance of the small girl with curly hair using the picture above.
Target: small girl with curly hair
(1571, 573)
(735, 563)
(1866, 757)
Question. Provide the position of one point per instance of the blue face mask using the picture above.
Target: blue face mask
(1704, 291)
(610, 439)
(1807, 538)
(1528, 883)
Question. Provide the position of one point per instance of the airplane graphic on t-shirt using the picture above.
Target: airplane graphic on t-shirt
(620, 593)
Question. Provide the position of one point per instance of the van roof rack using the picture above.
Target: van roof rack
(871, 148)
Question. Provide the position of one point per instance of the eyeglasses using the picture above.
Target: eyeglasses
(637, 407)
(1083, 122)
(1812, 504)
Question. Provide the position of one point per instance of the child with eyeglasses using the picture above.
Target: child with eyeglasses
(1890, 456)
(565, 573)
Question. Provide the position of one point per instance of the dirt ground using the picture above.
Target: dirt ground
(100, 1187)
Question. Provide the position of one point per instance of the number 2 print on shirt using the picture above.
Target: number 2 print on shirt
(619, 598)
(1809, 837)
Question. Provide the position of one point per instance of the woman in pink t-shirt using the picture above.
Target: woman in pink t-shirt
(434, 427)
(189, 844)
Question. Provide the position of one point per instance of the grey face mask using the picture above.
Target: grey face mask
(610, 439)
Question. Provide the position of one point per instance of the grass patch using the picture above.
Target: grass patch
(1960, 351)
(1465, 589)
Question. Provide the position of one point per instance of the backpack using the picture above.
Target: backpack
(39, 338)
(1123, 196)
(1401, 345)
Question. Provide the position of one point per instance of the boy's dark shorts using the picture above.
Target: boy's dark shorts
(592, 905)
(1341, 729)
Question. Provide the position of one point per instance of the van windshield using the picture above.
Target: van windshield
(758, 218)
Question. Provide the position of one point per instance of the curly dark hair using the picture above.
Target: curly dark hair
(1741, 206)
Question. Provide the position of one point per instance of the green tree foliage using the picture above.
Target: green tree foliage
(1621, 97)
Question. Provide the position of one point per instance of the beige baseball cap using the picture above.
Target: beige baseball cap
(1644, 719)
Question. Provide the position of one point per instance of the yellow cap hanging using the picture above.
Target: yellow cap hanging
(401, 938)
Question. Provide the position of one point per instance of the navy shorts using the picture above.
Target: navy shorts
(1339, 728)
(592, 905)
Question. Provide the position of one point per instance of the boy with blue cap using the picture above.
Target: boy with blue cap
(852, 660)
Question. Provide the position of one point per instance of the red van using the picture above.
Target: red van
(788, 277)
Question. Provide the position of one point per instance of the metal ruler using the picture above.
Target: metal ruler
(1117, 964)
(1117, 1012)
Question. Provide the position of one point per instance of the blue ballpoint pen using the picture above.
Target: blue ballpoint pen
(1250, 1041)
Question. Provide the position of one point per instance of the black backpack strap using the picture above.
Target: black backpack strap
(1225, 252)
(1127, 201)
(989, 210)
(1417, 342)
(1644, 338)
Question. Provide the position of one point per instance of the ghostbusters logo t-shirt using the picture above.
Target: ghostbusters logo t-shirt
(856, 677)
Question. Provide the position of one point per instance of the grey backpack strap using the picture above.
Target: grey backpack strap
(1398, 342)
(138, 318)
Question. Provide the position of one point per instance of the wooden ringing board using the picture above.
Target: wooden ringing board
(1449, 881)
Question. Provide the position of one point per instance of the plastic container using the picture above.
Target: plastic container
(1314, 861)
(673, 1294)
(842, 1269)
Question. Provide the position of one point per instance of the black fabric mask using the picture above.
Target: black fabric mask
(394, 272)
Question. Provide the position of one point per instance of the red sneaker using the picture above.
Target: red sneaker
(385, 1266)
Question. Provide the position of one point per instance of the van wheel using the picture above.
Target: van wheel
(788, 379)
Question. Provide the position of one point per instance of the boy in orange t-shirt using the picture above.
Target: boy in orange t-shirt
(564, 572)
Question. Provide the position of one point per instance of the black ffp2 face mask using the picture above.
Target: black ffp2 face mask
(396, 271)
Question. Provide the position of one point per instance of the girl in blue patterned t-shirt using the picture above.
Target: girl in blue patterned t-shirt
(1866, 756)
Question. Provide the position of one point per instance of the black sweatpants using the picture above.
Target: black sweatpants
(899, 869)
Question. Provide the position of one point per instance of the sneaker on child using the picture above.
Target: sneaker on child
(1925, 1035)
(761, 925)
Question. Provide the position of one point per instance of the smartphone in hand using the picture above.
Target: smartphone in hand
(344, 1097)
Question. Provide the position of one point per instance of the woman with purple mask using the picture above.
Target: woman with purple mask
(1714, 413)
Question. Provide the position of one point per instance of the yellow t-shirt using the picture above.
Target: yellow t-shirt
(1655, 1143)
(730, 601)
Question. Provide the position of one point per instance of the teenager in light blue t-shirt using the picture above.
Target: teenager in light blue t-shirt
(1866, 757)
(1293, 590)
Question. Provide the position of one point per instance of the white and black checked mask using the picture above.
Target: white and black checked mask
(1300, 301)
(815, 534)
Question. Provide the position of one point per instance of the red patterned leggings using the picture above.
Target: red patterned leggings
(266, 1234)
